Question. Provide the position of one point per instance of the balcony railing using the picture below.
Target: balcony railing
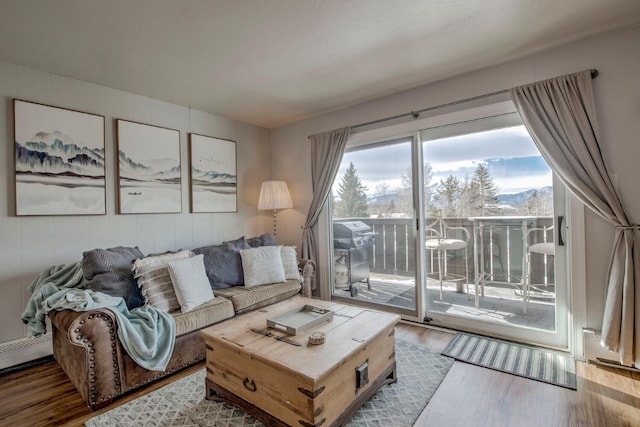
(393, 251)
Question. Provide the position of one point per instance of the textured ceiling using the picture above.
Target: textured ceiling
(272, 62)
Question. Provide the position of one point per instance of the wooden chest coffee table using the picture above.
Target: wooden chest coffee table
(307, 385)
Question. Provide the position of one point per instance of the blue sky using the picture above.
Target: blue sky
(511, 156)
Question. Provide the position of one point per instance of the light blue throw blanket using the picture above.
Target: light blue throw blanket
(49, 281)
(147, 334)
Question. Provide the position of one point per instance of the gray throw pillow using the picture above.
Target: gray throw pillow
(223, 263)
(264, 240)
(109, 271)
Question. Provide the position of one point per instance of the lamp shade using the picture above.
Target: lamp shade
(274, 195)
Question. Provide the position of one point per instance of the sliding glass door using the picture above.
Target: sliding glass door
(458, 224)
(491, 191)
(374, 231)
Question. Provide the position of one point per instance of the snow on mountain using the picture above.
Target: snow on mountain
(517, 199)
(505, 201)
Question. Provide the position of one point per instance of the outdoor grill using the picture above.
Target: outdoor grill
(353, 240)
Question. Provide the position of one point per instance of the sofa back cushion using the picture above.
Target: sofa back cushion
(267, 239)
(262, 266)
(290, 262)
(154, 280)
(223, 263)
(190, 282)
(109, 271)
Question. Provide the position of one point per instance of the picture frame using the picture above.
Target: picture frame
(59, 161)
(213, 177)
(149, 177)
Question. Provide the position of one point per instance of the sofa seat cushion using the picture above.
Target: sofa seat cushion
(214, 311)
(248, 299)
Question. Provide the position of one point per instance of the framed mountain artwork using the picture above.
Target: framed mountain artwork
(59, 161)
(149, 177)
(212, 173)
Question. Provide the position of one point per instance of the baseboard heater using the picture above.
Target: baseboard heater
(595, 353)
(24, 350)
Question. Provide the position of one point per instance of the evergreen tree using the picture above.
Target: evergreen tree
(483, 191)
(352, 202)
(448, 196)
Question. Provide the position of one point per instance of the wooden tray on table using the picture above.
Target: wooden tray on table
(297, 321)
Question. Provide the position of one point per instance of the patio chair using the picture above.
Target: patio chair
(545, 248)
(438, 241)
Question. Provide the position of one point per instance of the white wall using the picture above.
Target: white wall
(30, 244)
(616, 55)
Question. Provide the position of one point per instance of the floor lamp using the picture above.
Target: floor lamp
(274, 195)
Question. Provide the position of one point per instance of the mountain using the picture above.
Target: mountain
(128, 166)
(56, 153)
(384, 198)
(505, 201)
(212, 177)
(161, 164)
(149, 169)
(517, 199)
(61, 145)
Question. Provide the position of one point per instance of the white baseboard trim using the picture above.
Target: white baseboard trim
(24, 350)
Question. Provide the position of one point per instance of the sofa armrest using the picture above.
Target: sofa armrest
(307, 269)
(86, 346)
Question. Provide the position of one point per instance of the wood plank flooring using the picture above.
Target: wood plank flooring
(468, 396)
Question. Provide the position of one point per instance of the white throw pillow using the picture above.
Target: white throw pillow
(190, 282)
(262, 266)
(154, 281)
(290, 262)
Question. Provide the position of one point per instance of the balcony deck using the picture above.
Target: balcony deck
(499, 305)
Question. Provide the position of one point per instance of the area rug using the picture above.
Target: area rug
(525, 361)
(419, 370)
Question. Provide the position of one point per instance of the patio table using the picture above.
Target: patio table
(482, 276)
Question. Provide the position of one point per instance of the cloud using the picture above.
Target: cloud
(509, 142)
(379, 164)
(510, 154)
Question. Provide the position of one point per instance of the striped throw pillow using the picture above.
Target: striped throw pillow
(154, 280)
(290, 262)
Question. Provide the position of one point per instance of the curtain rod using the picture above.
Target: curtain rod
(416, 114)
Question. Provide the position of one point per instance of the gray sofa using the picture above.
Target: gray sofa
(86, 345)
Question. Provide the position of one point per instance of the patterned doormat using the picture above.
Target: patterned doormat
(529, 362)
(419, 370)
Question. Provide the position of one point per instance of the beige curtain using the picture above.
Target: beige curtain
(560, 115)
(326, 154)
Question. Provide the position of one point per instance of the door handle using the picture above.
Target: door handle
(560, 221)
